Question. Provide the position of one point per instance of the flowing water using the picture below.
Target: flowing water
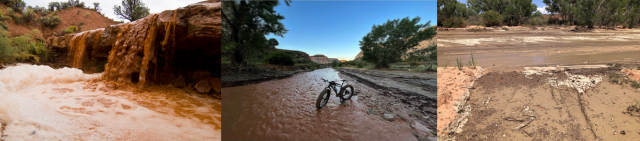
(285, 109)
(41, 103)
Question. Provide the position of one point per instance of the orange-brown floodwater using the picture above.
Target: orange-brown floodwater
(285, 110)
(41, 103)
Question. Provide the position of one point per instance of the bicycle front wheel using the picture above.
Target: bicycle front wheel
(347, 91)
(323, 99)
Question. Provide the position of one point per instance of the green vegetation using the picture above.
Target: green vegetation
(491, 18)
(28, 15)
(382, 46)
(2, 19)
(505, 29)
(87, 14)
(279, 58)
(584, 13)
(635, 84)
(615, 78)
(131, 10)
(459, 63)
(49, 21)
(70, 29)
(28, 47)
(246, 25)
(18, 5)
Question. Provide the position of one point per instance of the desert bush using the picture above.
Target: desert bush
(553, 21)
(70, 29)
(360, 64)
(17, 5)
(474, 20)
(491, 18)
(635, 84)
(279, 58)
(537, 21)
(87, 14)
(454, 22)
(505, 29)
(36, 34)
(28, 15)
(49, 21)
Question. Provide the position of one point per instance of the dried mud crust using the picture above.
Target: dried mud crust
(514, 106)
(411, 108)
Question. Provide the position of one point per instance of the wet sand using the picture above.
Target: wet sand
(285, 110)
(523, 47)
(41, 103)
(552, 104)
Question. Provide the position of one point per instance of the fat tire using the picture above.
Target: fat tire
(319, 104)
(343, 90)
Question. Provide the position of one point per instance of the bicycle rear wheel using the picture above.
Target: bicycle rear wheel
(346, 92)
(323, 99)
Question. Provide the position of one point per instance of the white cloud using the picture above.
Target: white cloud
(543, 10)
(155, 6)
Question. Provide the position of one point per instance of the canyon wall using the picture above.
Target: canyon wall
(159, 48)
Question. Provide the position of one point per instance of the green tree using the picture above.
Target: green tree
(96, 6)
(491, 18)
(131, 10)
(518, 11)
(246, 23)
(386, 43)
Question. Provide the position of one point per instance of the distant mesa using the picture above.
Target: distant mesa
(321, 59)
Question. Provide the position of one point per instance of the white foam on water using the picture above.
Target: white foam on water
(42, 103)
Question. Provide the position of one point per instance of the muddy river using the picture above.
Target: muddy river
(42, 103)
(509, 50)
(285, 109)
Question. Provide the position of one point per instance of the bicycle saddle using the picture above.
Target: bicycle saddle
(343, 80)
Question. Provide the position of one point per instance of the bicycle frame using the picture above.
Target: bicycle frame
(333, 87)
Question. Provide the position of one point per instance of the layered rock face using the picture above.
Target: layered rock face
(159, 48)
(321, 59)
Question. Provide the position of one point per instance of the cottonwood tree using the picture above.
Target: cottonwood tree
(518, 11)
(246, 23)
(131, 10)
(388, 42)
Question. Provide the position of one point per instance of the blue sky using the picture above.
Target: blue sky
(540, 4)
(334, 28)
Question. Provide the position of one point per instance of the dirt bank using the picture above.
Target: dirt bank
(235, 76)
(453, 89)
(552, 103)
(518, 47)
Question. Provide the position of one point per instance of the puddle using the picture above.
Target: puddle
(285, 109)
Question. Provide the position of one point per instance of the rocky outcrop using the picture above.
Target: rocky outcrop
(321, 59)
(158, 48)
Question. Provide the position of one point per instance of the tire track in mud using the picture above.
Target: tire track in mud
(413, 97)
(582, 109)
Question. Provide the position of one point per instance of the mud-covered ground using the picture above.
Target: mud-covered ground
(551, 104)
(415, 82)
(395, 101)
(509, 50)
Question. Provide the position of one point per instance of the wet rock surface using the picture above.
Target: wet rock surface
(173, 42)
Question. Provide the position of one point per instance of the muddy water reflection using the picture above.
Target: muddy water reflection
(285, 109)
